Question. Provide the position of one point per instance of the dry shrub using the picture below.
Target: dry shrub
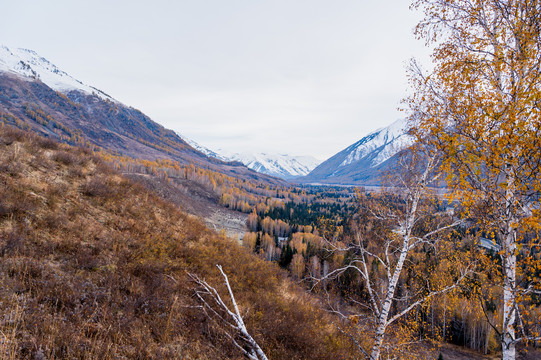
(11, 168)
(11, 243)
(65, 158)
(97, 186)
(57, 189)
(102, 167)
(53, 220)
(48, 143)
(9, 135)
(75, 172)
(5, 208)
(40, 161)
(64, 246)
(10, 161)
(16, 203)
(83, 152)
(85, 259)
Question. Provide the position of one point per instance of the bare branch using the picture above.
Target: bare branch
(361, 349)
(233, 319)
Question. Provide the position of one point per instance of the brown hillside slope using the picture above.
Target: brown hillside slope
(76, 117)
(94, 267)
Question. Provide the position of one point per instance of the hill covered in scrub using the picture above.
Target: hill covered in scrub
(95, 267)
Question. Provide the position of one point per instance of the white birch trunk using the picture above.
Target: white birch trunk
(508, 336)
(383, 319)
(509, 272)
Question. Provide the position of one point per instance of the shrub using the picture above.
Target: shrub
(11, 243)
(64, 157)
(10, 135)
(97, 186)
(47, 143)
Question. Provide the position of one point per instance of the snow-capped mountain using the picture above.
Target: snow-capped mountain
(38, 96)
(29, 65)
(279, 165)
(361, 162)
(383, 143)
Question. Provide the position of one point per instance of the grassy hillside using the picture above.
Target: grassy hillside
(94, 267)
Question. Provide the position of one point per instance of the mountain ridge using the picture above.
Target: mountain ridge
(284, 166)
(281, 165)
(31, 65)
(363, 162)
(38, 96)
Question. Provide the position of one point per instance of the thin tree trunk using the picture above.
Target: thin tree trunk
(384, 314)
(508, 336)
(444, 316)
(509, 272)
(383, 319)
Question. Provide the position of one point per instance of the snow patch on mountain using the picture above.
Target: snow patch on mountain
(201, 148)
(30, 66)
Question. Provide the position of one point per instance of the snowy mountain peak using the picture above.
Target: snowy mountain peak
(385, 141)
(280, 165)
(363, 161)
(29, 65)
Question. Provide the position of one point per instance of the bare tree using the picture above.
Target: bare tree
(217, 310)
(393, 249)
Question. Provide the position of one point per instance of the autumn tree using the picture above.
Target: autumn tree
(398, 228)
(480, 106)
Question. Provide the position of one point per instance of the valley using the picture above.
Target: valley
(123, 239)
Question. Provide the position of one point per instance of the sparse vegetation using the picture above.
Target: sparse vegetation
(94, 267)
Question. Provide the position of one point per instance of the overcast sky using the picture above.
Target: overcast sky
(303, 77)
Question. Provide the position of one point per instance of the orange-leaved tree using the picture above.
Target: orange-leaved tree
(480, 106)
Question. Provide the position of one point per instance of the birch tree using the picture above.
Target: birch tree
(405, 222)
(480, 107)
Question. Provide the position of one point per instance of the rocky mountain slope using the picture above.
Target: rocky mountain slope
(38, 96)
(364, 161)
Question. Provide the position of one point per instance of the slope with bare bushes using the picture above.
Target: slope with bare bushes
(95, 267)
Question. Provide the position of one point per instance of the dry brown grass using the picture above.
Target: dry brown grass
(94, 267)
